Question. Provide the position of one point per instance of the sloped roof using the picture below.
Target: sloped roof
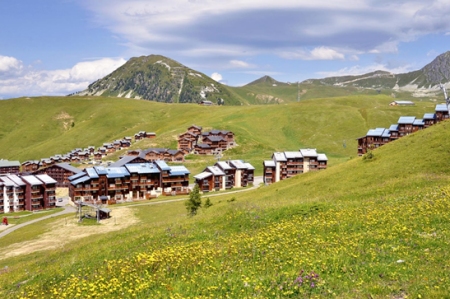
(269, 163)
(68, 167)
(16, 179)
(308, 152)
(441, 108)
(322, 157)
(202, 175)
(7, 163)
(419, 122)
(404, 120)
(393, 127)
(223, 165)
(178, 170)
(215, 170)
(249, 166)
(142, 168)
(162, 165)
(378, 132)
(46, 179)
(293, 155)
(31, 179)
(238, 164)
(278, 156)
(429, 116)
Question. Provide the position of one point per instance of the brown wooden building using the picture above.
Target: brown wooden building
(60, 173)
(9, 167)
(285, 165)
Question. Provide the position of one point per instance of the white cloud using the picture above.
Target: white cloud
(216, 77)
(320, 53)
(10, 65)
(58, 82)
(240, 64)
(359, 70)
(274, 27)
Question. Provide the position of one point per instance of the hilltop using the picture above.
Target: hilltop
(160, 79)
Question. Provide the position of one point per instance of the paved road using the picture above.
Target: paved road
(67, 210)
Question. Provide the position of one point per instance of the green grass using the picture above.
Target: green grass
(371, 228)
(24, 216)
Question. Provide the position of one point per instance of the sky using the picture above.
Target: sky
(57, 47)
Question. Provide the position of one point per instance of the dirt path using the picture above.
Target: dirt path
(67, 230)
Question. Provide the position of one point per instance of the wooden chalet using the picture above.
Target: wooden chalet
(195, 129)
(405, 126)
(60, 172)
(9, 167)
(30, 166)
(284, 165)
(429, 119)
(212, 178)
(225, 175)
(441, 111)
(203, 149)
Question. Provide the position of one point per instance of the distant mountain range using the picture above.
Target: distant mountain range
(420, 81)
(162, 79)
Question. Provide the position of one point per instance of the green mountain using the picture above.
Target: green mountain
(160, 79)
(420, 83)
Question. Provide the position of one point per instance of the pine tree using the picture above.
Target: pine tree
(194, 202)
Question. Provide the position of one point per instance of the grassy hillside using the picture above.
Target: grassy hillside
(34, 128)
(366, 228)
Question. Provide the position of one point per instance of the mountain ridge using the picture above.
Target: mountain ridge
(161, 79)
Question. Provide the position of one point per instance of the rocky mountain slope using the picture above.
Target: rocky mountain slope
(158, 78)
(419, 82)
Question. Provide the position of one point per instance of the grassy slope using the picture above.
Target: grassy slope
(371, 228)
(352, 224)
(33, 128)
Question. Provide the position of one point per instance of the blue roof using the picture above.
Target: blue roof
(91, 173)
(441, 108)
(376, 132)
(406, 119)
(116, 172)
(162, 165)
(142, 168)
(386, 133)
(429, 116)
(419, 122)
(80, 180)
(393, 127)
(100, 170)
(178, 170)
(77, 175)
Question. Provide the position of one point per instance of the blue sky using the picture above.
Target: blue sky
(56, 47)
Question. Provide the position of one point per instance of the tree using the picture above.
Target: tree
(194, 202)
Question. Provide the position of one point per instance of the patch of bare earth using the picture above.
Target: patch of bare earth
(65, 118)
(68, 230)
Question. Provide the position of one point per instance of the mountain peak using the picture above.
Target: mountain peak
(266, 80)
